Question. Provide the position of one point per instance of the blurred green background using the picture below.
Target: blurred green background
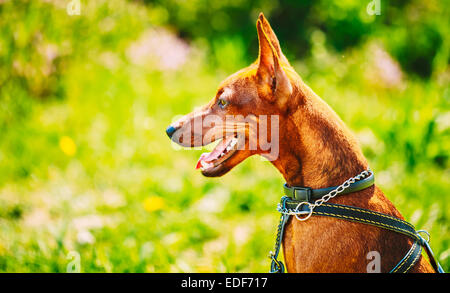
(86, 167)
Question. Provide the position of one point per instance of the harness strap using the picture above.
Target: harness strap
(360, 215)
(409, 260)
(434, 263)
(277, 266)
(288, 206)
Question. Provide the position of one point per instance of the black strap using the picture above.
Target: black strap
(410, 259)
(308, 194)
(276, 265)
(359, 215)
(434, 263)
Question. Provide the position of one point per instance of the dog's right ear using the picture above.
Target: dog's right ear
(274, 85)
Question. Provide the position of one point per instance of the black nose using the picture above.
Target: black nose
(170, 131)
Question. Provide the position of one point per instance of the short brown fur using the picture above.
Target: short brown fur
(316, 150)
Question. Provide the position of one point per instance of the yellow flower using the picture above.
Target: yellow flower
(68, 146)
(153, 203)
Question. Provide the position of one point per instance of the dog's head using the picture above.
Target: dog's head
(244, 112)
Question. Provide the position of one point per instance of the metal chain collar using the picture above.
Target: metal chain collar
(296, 212)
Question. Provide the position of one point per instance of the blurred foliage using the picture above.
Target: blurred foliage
(84, 101)
(413, 31)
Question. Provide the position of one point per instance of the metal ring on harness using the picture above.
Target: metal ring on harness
(276, 266)
(426, 233)
(297, 212)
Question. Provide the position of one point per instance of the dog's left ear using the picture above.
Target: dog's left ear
(274, 84)
(272, 38)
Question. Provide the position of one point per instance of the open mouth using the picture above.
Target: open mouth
(223, 151)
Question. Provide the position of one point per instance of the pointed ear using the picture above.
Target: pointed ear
(274, 84)
(273, 38)
(266, 58)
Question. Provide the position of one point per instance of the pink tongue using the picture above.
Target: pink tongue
(208, 157)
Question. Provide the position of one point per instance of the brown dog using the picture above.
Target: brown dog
(315, 149)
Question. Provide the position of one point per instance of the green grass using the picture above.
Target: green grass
(87, 167)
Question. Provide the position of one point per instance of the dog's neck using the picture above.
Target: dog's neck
(316, 148)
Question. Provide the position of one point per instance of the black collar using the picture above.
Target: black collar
(308, 194)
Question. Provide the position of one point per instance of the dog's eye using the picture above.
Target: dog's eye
(222, 103)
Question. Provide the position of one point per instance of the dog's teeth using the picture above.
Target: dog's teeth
(233, 142)
(205, 165)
